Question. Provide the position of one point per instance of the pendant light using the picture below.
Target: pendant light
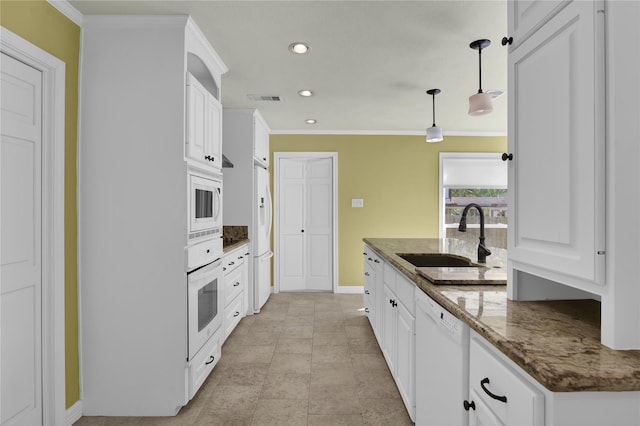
(434, 133)
(480, 103)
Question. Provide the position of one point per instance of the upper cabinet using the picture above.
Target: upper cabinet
(556, 136)
(203, 141)
(526, 16)
(261, 140)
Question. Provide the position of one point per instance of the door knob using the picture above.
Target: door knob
(506, 157)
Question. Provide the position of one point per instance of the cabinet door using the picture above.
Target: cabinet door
(213, 143)
(261, 142)
(389, 329)
(525, 16)
(481, 415)
(197, 128)
(405, 358)
(556, 123)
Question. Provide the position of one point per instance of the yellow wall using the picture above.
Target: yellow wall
(41, 24)
(397, 176)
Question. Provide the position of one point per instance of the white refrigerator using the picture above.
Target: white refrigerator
(262, 254)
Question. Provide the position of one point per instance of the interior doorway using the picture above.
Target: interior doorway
(305, 221)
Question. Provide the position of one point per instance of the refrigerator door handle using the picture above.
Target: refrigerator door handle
(266, 255)
(270, 210)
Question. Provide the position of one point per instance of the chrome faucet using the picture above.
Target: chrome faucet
(483, 251)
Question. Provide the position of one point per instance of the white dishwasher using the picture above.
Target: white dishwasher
(442, 365)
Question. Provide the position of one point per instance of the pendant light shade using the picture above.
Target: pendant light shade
(434, 133)
(480, 103)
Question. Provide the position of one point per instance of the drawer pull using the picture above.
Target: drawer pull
(366, 274)
(469, 405)
(366, 292)
(211, 358)
(366, 310)
(369, 259)
(236, 314)
(231, 263)
(376, 261)
(484, 382)
(236, 284)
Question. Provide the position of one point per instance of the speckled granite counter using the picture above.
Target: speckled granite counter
(556, 342)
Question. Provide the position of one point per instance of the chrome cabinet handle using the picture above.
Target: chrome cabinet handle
(484, 382)
(211, 358)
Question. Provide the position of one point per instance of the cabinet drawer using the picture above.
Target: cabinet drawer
(233, 261)
(389, 276)
(232, 285)
(203, 363)
(514, 400)
(233, 314)
(405, 290)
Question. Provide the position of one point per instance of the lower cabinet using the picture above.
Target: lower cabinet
(398, 333)
(203, 362)
(235, 268)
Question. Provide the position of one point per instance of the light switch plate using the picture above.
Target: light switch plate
(357, 202)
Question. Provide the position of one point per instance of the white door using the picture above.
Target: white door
(20, 253)
(305, 224)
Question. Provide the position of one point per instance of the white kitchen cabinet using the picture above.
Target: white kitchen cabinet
(373, 290)
(133, 214)
(261, 141)
(530, 403)
(203, 141)
(556, 136)
(506, 394)
(525, 17)
(398, 335)
(235, 269)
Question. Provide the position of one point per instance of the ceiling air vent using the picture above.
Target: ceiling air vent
(267, 98)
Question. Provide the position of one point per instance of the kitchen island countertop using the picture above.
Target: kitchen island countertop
(556, 342)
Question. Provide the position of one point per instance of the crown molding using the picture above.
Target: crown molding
(387, 132)
(68, 10)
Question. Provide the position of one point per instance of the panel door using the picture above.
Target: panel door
(20, 253)
(291, 211)
(556, 124)
(305, 215)
(319, 224)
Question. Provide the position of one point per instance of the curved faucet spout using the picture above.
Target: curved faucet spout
(483, 251)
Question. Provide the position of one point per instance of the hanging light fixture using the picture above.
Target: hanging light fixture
(480, 103)
(434, 133)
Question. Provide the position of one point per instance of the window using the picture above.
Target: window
(479, 178)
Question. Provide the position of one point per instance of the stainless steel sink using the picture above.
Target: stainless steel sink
(435, 260)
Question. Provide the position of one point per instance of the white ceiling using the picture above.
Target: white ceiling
(370, 64)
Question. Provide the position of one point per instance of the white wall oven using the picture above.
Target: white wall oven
(205, 206)
(205, 304)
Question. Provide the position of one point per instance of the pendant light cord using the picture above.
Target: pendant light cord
(434, 109)
(480, 70)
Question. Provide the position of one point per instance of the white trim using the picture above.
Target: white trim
(53, 102)
(68, 10)
(276, 237)
(73, 413)
(350, 289)
(387, 132)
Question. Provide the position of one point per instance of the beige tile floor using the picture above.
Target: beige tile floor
(306, 359)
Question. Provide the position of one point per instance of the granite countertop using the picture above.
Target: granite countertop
(556, 342)
(228, 246)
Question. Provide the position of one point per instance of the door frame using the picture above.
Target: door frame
(53, 254)
(333, 156)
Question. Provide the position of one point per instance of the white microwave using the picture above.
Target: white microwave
(205, 206)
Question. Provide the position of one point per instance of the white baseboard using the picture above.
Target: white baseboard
(73, 413)
(350, 289)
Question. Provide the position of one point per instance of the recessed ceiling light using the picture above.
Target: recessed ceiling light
(305, 93)
(310, 121)
(299, 47)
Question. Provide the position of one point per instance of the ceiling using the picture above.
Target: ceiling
(370, 63)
